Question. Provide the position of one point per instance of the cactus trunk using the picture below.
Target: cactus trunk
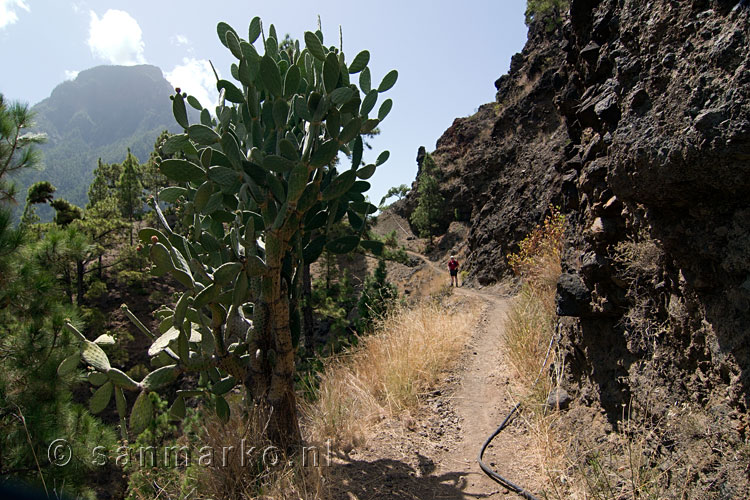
(278, 377)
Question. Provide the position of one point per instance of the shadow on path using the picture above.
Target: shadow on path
(388, 478)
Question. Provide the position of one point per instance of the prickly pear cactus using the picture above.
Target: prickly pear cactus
(257, 195)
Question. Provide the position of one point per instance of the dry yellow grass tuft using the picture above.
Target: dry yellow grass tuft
(388, 371)
(263, 472)
(531, 319)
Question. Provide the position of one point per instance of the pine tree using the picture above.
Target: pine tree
(426, 217)
(39, 192)
(17, 147)
(35, 404)
(151, 177)
(103, 186)
(129, 188)
(378, 296)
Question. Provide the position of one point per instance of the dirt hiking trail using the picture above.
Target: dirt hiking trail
(433, 455)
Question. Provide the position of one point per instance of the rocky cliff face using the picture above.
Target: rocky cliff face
(656, 290)
(635, 117)
(501, 166)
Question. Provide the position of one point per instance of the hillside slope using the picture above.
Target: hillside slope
(101, 113)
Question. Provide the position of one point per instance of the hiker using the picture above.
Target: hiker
(453, 268)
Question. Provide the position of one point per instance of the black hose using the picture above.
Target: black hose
(494, 475)
(485, 468)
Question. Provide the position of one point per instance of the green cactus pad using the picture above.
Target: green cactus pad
(388, 81)
(368, 102)
(122, 404)
(172, 193)
(222, 29)
(121, 379)
(325, 153)
(105, 339)
(97, 378)
(163, 341)
(270, 75)
(233, 42)
(365, 81)
(160, 377)
(182, 170)
(95, 356)
(202, 134)
(385, 108)
(339, 185)
(222, 409)
(141, 414)
(360, 62)
(292, 81)
(382, 158)
(366, 172)
(344, 244)
(194, 103)
(69, 364)
(175, 143)
(180, 111)
(312, 250)
(177, 409)
(331, 70)
(314, 46)
(223, 386)
(226, 273)
(100, 399)
(208, 294)
(277, 164)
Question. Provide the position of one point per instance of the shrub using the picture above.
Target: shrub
(548, 10)
(378, 296)
(538, 257)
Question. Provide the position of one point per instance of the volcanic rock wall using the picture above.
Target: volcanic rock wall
(501, 166)
(633, 116)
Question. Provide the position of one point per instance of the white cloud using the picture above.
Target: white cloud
(179, 40)
(195, 77)
(116, 38)
(8, 9)
(71, 75)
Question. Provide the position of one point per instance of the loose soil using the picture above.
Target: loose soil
(432, 454)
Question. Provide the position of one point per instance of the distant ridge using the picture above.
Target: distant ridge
(101, 113)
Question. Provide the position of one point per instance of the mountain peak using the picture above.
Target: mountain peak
(100, 114)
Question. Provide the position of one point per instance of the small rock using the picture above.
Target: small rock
(613, 204)
(638, 98)
(558, 399)
(603, 228)
(572, 297)
(590, 52)
(606, 107)
(708, 119)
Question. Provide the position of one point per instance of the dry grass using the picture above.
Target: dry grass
(265, 471)
(531, 319)
(528, 330)
(388, 372)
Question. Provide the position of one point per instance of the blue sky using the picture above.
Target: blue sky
(448, 54)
